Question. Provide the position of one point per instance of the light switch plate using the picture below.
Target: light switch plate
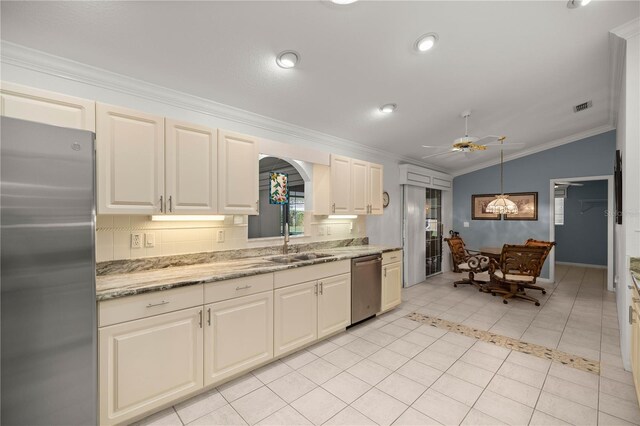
(465, 224)
(149, 240)
(321, 230)
(221, 235)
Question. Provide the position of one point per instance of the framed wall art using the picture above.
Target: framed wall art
(527, 203)
(479, 203)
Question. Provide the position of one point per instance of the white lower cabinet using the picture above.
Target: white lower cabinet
(311, 310)
(391, 280)
(295, 317)
(149, 362)
(334, 304)
(238, 335)
(391, 286)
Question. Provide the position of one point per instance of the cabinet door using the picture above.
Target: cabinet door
(295, 316)
(238, 335)
(31, 104)
(149, 362)
(130, 157)
(237, 173)
(391, 286)
(191, 173)
(340, 184)
(375, 188)
(334, 304)
(359, 187)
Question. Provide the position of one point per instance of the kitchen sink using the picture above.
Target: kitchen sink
(297, 257)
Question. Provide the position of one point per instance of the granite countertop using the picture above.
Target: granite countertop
(129, 284)
(635, 271)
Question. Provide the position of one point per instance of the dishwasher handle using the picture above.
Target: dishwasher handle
(370, 262)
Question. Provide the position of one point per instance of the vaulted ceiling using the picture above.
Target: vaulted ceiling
(519, 66)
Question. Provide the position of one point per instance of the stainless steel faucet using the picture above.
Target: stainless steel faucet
(285, 247)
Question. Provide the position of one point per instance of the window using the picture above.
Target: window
(559, 211)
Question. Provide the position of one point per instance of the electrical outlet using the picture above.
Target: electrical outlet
(221, 235)
(149, 240)
(328, 229)
(136, 240)
(321, 230)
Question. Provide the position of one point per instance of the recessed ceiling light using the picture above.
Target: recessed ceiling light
(572, 4)
(388, 108)
(343, 2)
(287, 59)
(426, 42)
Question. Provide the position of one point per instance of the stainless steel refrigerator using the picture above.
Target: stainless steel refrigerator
(48, 306)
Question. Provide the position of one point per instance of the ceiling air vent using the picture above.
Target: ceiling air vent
(582, 106)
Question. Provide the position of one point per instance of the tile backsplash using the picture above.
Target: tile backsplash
(113, 235)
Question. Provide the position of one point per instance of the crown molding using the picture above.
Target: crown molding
(628, 29)
(538, 148)
(31, 59)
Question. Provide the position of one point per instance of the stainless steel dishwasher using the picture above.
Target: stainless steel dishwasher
(366, 287)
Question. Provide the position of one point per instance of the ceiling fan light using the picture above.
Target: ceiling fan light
(426, 42)
(574, 4)
(287, 59)
(388, 108)
(502, 205)
(343, 2)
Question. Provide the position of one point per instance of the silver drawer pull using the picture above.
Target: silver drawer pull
(243, 287)
(151, 305)
(393, 257)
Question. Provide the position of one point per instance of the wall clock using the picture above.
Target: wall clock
(385, 199)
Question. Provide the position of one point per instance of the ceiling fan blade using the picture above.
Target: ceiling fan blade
(450, 151)
(487, 140)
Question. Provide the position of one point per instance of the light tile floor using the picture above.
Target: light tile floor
(392, 370)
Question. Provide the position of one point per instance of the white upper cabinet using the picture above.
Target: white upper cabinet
(130, 161)
(340, 185)
(359, 187)
(237, 173)
(191, 172)
(375, 187)
(46, 107)
(348, 186)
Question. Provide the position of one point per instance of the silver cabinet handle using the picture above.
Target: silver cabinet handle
(243, 287)
(209, 316)
(151, 305)
(316, 289)
(385, 272)
(321, 287)
(161, 204)
(258, 206)
(170, 204)
(200, 315)
(333, 207)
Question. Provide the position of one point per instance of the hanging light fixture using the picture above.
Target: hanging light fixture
(501, 204)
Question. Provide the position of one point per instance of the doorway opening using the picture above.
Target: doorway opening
(582, 202)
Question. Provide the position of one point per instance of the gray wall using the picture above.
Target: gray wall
(593, 156)
(583, 237)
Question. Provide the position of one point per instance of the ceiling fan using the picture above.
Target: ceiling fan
(469, 144)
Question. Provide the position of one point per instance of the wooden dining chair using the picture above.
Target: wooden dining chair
(548, 245)
(519, 267)
(468, 261)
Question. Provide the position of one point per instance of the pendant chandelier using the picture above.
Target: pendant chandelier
(501, 204)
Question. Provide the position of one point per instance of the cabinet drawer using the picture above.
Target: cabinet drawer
(230, 289)
(391, 257)
(149, 304)
(310, 273)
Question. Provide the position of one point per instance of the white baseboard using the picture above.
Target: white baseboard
(583, 265)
